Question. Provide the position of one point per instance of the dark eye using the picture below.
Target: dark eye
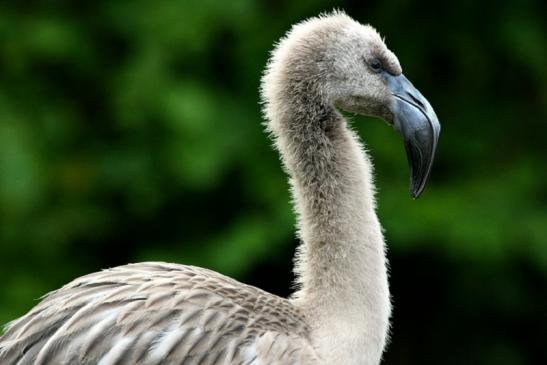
(375, 65)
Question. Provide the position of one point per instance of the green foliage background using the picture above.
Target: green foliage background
(130, 131)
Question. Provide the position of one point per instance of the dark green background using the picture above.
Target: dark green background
(130, 131)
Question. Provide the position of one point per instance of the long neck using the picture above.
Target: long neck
(340, 265)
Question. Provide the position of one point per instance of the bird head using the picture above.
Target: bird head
(349, 66)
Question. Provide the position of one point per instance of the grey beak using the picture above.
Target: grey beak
(415, 119)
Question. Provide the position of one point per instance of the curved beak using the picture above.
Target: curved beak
(415, 119)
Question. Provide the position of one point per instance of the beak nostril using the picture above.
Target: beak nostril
(416, 100)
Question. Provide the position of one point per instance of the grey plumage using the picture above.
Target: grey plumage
(156, 313)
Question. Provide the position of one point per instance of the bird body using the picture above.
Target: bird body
(157, 313)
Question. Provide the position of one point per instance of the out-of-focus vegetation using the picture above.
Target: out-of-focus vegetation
(130, 131)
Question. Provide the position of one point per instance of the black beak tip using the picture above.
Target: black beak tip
(420, 159)
(416, 191)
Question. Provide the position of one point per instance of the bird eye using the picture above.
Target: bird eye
(375, 65)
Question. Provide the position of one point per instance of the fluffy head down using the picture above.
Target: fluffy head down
(327, 60)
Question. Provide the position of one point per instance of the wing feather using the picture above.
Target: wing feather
(157, 313)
